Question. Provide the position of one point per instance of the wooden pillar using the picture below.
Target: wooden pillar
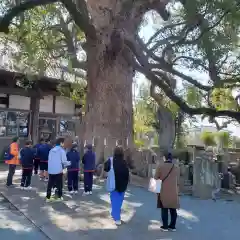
(34, 129)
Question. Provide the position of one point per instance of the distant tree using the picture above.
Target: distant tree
(208, 138)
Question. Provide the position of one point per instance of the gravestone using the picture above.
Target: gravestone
(205, 174)
(167, 129)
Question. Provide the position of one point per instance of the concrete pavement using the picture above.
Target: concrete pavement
(14, 225)
(87, 218)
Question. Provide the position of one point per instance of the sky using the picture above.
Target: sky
(146, 32)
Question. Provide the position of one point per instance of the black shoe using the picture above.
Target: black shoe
(172, 229)
(10, 185)
(164, 229)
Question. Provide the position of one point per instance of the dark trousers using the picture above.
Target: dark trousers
(26, 177)
(11, 172)
(88, 181)
(72, 180)
(173, 213)
(36, 165)
(55, 180)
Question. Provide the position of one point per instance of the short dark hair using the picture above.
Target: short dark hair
(41, 139)
(28, 142)
(60, 140)
(89, 146)
(118, 152)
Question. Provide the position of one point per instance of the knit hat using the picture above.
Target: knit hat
(15, 139)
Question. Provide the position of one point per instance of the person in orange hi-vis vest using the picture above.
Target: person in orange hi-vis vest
(11, 157)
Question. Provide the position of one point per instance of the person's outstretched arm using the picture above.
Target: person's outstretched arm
(107, 165)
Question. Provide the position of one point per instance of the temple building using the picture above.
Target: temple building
(33, 108)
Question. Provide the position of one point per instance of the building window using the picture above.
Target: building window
(14, 124)
(47, 128)
(67, 128)
(12, 127)
(3, 116)
(23, 120)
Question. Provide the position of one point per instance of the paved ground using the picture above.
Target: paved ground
(87, 218)
(14, 226)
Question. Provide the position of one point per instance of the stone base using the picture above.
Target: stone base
(202, 192)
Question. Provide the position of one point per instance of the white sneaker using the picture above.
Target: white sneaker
(28, 188)
(45, 179)
(118, 223)
(75, 192)
(71, 192)
(22, 188)
(85, 193)
(90, 193)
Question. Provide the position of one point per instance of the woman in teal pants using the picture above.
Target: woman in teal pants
(121, 172)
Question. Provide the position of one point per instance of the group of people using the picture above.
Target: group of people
(51, 160)
(54, 159)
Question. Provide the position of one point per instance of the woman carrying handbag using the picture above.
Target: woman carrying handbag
(168, 199)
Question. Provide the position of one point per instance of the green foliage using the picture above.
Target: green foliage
(208, 138)
(204, 37)
(43, 41)
(225, 138)
(76, 92)
(193, 95)
(222, 99)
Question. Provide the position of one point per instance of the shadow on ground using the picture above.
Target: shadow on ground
(88, 217)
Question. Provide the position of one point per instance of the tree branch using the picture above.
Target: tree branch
(181, 103)
(80, 15)
(145, 68)
(78, 12)
(16, 10)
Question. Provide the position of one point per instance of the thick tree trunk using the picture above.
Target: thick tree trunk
(109, 112)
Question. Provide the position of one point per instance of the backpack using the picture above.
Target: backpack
(7, 155)
(110, 183)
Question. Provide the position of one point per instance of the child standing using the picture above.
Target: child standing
(88, 161)
(73, 170)
(27, 158)
(57, 161)
(37, 159)
(43, 152)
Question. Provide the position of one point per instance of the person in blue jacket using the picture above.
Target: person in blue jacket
(36, 158)
(27, 159)
(73, 156)
(43, 152)
(88, 161)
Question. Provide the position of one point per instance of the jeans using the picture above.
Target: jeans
(26, 177)
(173, 213)
(55, 180)
(11, 172)
(88, 181)
(116, 203)
(72, 180)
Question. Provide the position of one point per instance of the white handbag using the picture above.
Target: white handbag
(110, 183)
(155, 185)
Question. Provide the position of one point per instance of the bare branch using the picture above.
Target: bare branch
(138, 50)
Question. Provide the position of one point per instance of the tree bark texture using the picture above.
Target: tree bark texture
(109, 110)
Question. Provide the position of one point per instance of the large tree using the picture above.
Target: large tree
(114, 51)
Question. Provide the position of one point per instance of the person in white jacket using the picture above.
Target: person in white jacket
(57, 161)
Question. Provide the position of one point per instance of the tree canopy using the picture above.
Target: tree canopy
(197, 44)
